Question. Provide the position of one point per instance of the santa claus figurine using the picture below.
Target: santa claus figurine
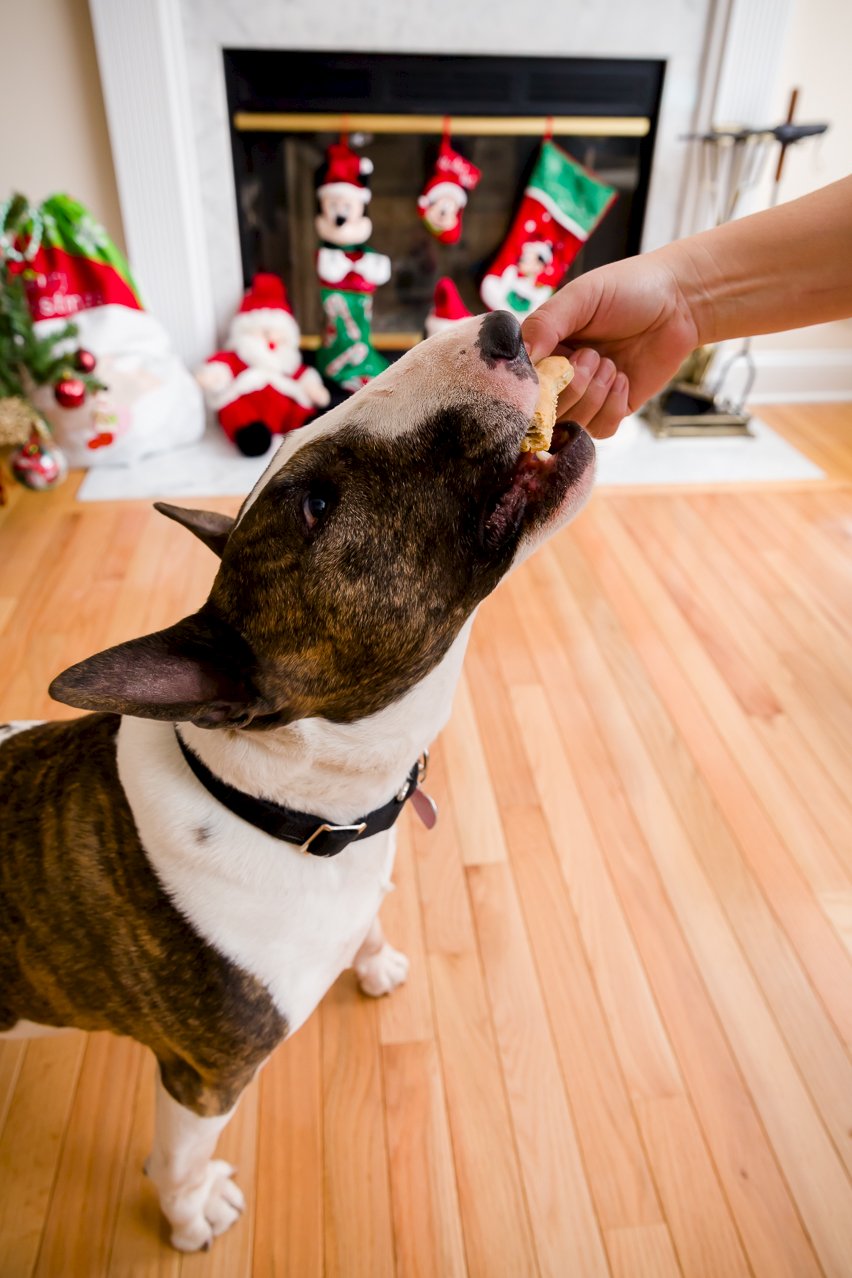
(258, 386)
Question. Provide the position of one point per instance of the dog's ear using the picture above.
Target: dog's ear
(208, 526)
(198, 671)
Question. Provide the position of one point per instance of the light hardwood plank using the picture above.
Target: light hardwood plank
(823, 1194)
(616, 1164)
(643, 1251)
(31, 1146)
(357, 1216)
(288, 1211)
(407, 1017)
(474, 804)
(94, 1153)
(497, 1234)
(760, 1202)
(427, 1221)
(565, 1229)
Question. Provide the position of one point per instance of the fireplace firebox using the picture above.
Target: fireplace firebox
(286, 107)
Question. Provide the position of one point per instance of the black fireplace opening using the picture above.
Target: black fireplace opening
(286, 107)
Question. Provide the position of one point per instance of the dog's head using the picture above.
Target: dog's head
(368, 542)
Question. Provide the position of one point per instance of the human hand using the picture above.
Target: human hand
(626, 328)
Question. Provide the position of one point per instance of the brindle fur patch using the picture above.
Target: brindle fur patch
(344, 620)
(88, 937)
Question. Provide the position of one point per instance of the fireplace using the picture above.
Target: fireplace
(172, 124)
(285, 107)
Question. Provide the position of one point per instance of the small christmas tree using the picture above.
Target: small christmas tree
(28, 360)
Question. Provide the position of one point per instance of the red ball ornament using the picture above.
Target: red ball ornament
(84, 361)
(70, 392)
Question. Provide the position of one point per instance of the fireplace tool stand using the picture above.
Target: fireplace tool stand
(732, 161)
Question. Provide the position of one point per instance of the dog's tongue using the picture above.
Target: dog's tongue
(554, 374)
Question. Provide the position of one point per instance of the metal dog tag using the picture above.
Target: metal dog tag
(425, 807)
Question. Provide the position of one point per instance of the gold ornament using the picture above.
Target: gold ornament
(17, 419)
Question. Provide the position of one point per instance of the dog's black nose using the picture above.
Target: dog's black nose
(500, 337)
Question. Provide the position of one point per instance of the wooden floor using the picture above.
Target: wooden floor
(624, 1045)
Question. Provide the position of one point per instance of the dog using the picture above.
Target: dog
(194, 863)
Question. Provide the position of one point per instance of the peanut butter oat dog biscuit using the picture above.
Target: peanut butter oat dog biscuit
(554, 374)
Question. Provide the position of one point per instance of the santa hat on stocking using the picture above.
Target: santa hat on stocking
(447, 308)
(265, 305)
(344, 170)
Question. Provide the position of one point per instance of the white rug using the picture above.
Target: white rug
(214, 468)
(634, 456)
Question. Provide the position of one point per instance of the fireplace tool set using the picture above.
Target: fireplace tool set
(732, 161)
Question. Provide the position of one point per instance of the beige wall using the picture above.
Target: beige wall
(54, 134)
(816, 60)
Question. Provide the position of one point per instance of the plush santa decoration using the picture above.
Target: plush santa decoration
(447, 308)
(258, 386)
(349, 272)
(445, 194)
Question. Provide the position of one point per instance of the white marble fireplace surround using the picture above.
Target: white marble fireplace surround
(164, 88)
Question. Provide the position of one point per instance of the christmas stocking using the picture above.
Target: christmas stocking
(349, 272)
(445, 193)
(562, 205)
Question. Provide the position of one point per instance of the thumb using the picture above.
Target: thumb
(562, 317)
(541, 333)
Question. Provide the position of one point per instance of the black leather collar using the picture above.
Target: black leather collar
(311, 833)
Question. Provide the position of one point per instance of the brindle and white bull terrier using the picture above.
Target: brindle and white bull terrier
(145, 883)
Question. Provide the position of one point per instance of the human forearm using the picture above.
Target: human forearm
(786, 268)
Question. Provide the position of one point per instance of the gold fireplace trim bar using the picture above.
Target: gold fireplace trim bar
(585, 126)
(381, 341)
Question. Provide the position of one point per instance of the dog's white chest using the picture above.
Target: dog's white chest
(294, 921)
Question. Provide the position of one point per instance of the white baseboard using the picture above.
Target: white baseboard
(803, 376)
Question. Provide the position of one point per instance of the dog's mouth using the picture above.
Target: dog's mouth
(537, 485)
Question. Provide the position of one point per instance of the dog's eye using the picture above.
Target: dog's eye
(316, 505)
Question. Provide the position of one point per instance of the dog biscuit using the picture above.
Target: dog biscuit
(554, 374)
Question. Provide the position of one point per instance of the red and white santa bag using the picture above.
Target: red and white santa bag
(444, 196)
(150, 402)
(562, 205)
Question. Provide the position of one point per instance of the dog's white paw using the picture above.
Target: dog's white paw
(382, 972)
(206, 1212)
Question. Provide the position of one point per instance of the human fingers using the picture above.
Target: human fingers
(541, 334)
(607, 419)
(589, 404)
(569, 311)
(585, 364)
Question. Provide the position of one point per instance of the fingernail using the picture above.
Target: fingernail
(606, 372)
(620, 383)
(587, 361)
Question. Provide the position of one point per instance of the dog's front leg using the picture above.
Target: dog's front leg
(379, 967)
(197, 1195)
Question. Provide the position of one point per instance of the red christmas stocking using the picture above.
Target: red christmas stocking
(562, 205)
(445, 193)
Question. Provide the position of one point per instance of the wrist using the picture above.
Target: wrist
(698, 279)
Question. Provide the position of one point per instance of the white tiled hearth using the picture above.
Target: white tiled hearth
(162, 71)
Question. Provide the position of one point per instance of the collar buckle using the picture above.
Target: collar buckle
(354, 830)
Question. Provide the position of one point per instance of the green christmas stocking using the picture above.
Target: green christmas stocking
(347, 355)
